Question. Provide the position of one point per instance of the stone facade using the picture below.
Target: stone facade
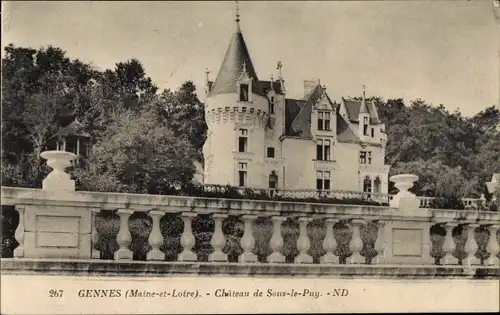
(259, 138)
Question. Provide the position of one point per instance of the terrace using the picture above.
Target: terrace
(229, 231)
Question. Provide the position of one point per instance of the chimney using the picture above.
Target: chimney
(309, 85)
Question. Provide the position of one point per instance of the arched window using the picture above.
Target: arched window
(273, 180)
(376, 184)
(367, 184)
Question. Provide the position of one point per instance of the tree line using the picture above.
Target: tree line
(144, 140)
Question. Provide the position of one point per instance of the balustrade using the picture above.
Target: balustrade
(95, 254)
(19, 234)
(356, 244)
(124, 238)
(380, 243)
(391, 244)
(303, 243)
(218, 239)
(276, 242)
(247, 241)
(493, 247)
(329, 243)
(449, 244)
(155, 238)
(187, 238)
(471, 245)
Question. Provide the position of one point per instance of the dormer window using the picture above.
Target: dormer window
(271, 105)
(365, 126)
(243, 92)
(323, 120)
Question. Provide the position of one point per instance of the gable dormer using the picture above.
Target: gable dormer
(323, 113)
(271, 95)
(364, 118)
(244, 85)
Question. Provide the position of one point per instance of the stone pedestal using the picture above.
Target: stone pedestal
(404, 198)
(407, 234)
(58, 179)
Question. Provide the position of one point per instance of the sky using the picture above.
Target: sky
(445, 52)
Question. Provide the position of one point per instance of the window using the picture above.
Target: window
(273, 180)
(362, 157)
(322, 180)
(365, 126)
(319, 149)
(369, 157)
(376, 186)
(373, 132)
(270, 152)
(244, 92)
(243, 140)
(323, 150)
(242, 174)
(271, 105)
(323, 120)
(367, 184)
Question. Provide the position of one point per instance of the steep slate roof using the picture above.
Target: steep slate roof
(264, 86)
(292, 108)
(344, 133)
(232, 66)
(353, 108)
(298, 118)
(301, 124)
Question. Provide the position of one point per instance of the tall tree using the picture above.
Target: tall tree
(186, 115)
(138, 153)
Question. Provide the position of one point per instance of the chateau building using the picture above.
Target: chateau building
(259, 138)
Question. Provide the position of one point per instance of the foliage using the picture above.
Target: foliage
(141, 141)
(138, 153)
(452, 155)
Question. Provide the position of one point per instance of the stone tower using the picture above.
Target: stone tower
(241, 114)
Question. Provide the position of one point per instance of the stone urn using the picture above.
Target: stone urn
(404, 182)
(58, 179)
(494, 185)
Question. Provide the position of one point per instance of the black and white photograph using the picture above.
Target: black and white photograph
(250, 157)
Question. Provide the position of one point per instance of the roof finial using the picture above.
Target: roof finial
(207, 72)
(237, 11)
(279, 66)
(364, 90)
(244, 66)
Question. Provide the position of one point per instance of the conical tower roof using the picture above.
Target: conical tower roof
(236, 56)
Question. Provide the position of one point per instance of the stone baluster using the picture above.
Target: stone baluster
(155, 237)
(329, 243)
(303, 243)
(492, 246)
(95, 254)
(471, 246)
(218, 239)
(19, 234)
(247, 241)
(276, 242)
(124, 238)
(380, 244)
(356, 244)
(449, 245)
(187, 238)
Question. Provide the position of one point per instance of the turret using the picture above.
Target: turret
(364, 118)
(237, 113)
